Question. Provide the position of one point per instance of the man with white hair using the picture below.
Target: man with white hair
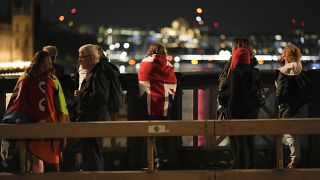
(94, 98)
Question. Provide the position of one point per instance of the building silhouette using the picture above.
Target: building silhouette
(16, 35)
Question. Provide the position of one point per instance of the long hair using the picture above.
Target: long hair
(41, 65)
(157, 48)
(292, 53)
(240, 43)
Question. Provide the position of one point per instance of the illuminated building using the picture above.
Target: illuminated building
(16, 37)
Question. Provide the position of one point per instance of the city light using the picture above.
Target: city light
(132, 62)
(216, 24)
(293, 21)
(198, 18)
(14, 65)
(194, 62)
(73, 11)
(70, 23)
(126, 45)
(176, 59)
(61, 18)
(112, 47)
(199, 10)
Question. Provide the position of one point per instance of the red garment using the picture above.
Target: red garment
(38, 101)
(157, 78)
(240, 56)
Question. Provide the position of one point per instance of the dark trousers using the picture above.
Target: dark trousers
(92, 156)
(243, 151)
(243, 147)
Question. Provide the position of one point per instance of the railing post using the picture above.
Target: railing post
(150, 153)
(195, 113)
(22, 153)
(279, 151)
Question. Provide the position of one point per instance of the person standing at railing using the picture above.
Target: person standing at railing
(58, 69)
(38, 98)
(96, 101)
(255, 101)
(287, 93)
(158, 82)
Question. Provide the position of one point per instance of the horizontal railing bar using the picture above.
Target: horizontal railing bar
(251, 174)
(160, 128)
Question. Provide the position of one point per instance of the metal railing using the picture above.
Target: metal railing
(168, 128)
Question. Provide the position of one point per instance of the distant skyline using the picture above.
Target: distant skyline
(236, 17)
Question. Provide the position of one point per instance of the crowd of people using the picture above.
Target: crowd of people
(38, 98)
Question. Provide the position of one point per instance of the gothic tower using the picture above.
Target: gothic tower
(22, 30)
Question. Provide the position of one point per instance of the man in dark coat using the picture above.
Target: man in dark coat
(94, 97)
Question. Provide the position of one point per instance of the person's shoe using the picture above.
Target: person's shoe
(292, 165)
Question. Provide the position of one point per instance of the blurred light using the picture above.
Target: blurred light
(176, 65)
(132, 62)
(61, 18)
(137, 66)
(169, 57)
(315, 66)
(194, 61)
(225, 54)
(293, 21)
(123, 55)
(222, 36)
(222, 45)
(260, 61)
(109, 30)
(70, 23)
(302, 39)
(177, 59)
(112, 47)
(117, 45)
(199, 10)
(99, 39)
(198, 18)
(201, 22)
(73, 10)
(278, 37)
(13, 65)
(302, 23)
(126, 45)
(216, 24)
(122, 69)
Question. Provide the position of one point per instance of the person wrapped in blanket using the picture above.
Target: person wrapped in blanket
(38, 98)
(158, 82)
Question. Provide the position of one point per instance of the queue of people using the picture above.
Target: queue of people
(98, 95)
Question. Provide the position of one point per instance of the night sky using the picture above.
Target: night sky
(242, 17)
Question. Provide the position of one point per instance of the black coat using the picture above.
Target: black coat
(286, 94)
(94, 93)
(241, 79)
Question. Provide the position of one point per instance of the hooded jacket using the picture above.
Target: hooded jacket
(286, 86)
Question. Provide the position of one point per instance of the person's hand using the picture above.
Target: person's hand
(76, 93)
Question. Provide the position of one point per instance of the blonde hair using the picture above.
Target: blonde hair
(292, 53)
